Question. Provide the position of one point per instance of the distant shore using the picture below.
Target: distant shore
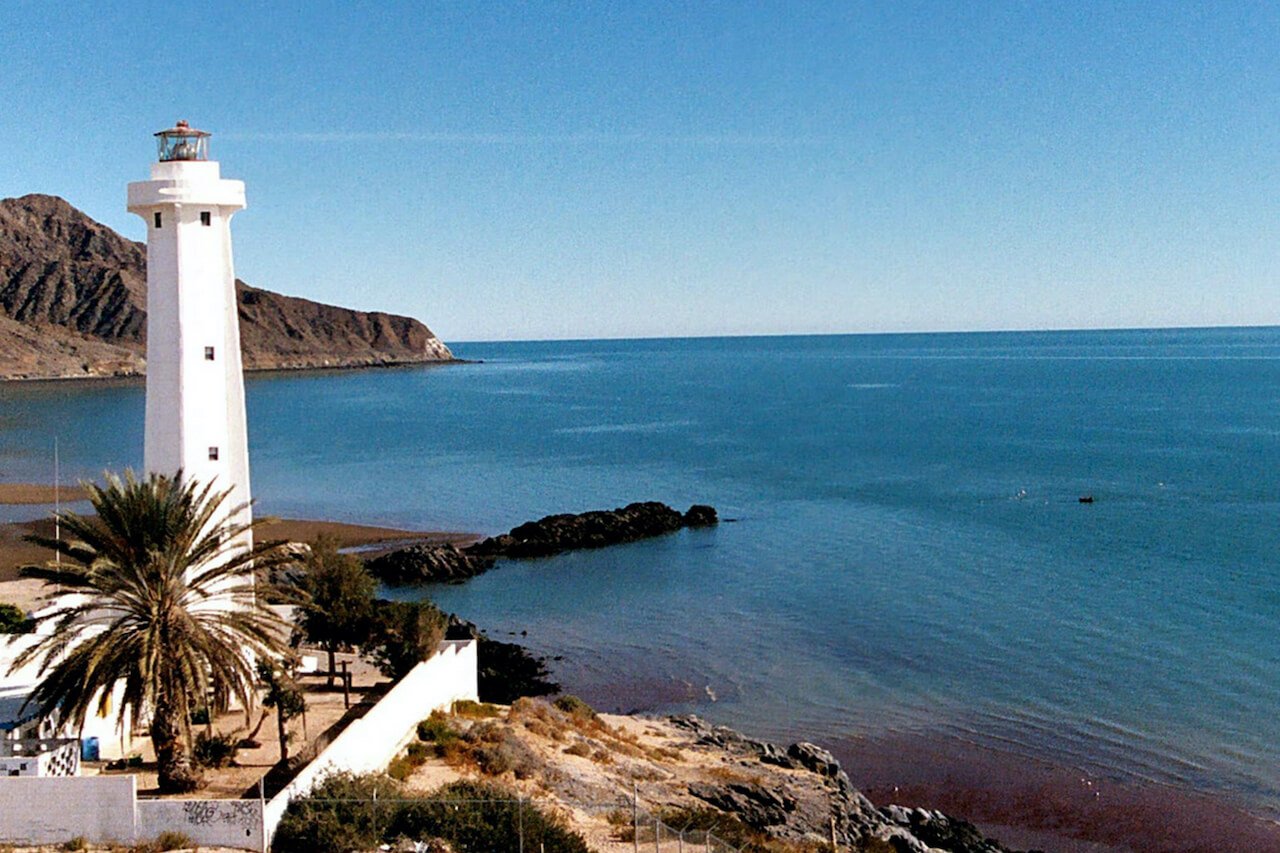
(1027, 804)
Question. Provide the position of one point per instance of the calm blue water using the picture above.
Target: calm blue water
(908, 552)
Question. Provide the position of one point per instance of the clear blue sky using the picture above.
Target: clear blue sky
(578, 169)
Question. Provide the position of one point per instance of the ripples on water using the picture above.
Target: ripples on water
(909, 555)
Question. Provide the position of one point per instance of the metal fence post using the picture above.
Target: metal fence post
(635, 814)
(520, 818)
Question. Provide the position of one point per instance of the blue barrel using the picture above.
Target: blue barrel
(89, 749)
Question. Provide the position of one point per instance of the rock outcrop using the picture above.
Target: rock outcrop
(689, 774)
(73, 296)
(820, 799)
(424, 563)
(554, 534)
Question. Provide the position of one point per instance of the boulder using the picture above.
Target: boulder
(423, 563)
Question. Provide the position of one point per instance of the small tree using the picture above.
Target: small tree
(404, 634)
(341, 593)
(285, 696)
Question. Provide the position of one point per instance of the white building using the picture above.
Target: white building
(195, 418)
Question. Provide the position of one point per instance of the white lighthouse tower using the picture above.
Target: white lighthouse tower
(195, 420)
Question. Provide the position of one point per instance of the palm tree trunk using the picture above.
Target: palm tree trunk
(284, 737)
(173, 763)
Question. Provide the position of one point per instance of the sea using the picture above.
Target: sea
(1063, 546)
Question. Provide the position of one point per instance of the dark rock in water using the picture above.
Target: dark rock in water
(942, 831)
(700, 515)
(554, 534)
(427, 564)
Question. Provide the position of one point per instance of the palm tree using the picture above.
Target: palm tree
(167, 607)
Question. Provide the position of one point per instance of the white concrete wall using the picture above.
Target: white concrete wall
(209, 823)
(369, 743)
(54, 810)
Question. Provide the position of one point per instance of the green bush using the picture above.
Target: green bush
(476, 817)
(475, 710)
(436, 729)
(339, 816)
(575, 707)
(73, 845)
(216, 751)
(401, 768)
(14, 621)
(403, 634)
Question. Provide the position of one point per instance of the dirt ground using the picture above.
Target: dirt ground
(325, 707)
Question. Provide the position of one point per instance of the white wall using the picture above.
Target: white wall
(369, 743)
(51, 810)
(209, 823)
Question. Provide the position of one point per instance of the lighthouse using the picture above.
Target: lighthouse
(195, 419)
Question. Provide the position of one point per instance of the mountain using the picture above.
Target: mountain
(73, 303)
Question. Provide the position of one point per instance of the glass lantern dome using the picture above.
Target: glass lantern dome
(182, 142)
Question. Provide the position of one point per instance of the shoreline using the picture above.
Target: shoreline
(313, 368)
(1025, 803)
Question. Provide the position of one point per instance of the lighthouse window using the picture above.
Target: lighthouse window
(208, 353)
(206, 218)
(213, 454)
(157, 219)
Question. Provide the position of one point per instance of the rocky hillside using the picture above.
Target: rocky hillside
(73, 297)
(682, 770)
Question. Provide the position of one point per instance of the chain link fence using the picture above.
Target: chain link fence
(521, 825)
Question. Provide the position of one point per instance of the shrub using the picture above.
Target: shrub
(216, 751)
(403, 634)
(581, 749)
(401, 767)
(475, 710)
(487, 732)
(475, 816)
(14, 621)
(436, 729)
(170, 840)
(77, 843)
(493, 759)
(338, 816)
(575, 707)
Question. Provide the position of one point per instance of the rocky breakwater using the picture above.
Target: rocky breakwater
(552, 534)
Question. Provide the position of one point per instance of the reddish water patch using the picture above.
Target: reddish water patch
(1028, 803)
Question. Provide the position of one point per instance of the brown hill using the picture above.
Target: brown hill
(73, 297)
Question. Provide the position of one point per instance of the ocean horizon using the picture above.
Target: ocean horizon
(904, 548)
